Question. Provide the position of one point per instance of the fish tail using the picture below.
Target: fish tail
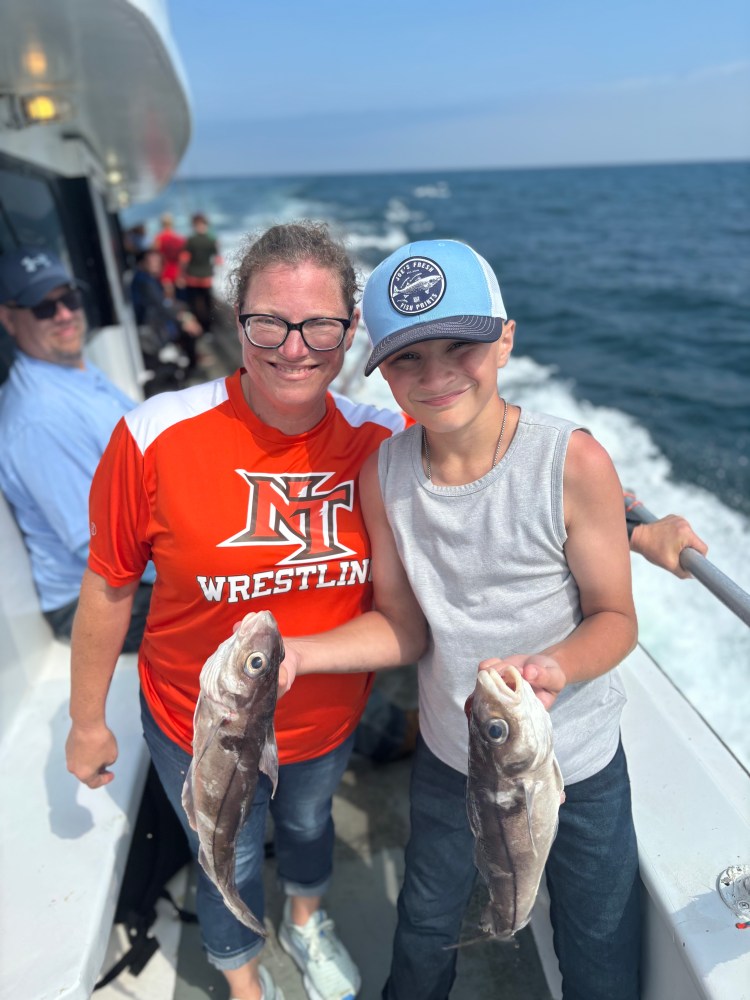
(232, 899)
(466, 942)
(482, 937)
(242, 911)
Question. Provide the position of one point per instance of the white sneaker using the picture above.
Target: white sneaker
(270, 990)
(328, 971)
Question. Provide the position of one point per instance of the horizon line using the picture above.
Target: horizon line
(463, 169)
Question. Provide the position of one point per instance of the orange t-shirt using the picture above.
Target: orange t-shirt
(239, 517)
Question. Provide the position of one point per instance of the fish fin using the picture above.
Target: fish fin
(230, 894)
(530, 789)
(188, 799)
(199, 752)
(242, 911)
(269, 760)
(188, 802)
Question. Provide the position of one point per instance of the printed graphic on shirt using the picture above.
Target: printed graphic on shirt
(297, 510)
(300, 514)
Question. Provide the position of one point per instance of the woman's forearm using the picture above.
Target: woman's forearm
(99, 629)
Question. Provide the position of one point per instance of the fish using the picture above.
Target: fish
(513, 796)
(420, 284)
(233, 743)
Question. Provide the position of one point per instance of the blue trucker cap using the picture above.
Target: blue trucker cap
(430, 290)
(28, 273)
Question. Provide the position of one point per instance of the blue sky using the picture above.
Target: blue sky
(326, 87)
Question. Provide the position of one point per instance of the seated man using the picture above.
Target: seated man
(168, 322)
(57, 412)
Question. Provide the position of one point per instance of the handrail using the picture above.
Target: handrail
(712, 578)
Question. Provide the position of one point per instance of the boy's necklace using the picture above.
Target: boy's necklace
(497, 448)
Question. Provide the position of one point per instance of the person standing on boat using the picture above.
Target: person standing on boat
(57, 412)
(170, 244)
(197, 259)
(507, 526)
(243, 492)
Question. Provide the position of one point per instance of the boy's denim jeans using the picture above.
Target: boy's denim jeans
(304, 835)
(592, 876)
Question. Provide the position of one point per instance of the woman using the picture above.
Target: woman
(243, 492)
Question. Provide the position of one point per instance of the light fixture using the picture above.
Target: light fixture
(35, 61)
(42, 109)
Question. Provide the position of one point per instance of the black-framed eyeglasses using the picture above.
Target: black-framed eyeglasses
(47, 308)
(322, 333)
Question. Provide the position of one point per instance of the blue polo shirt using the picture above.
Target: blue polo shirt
(55, 422)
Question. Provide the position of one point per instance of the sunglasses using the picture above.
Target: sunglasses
(47, 308)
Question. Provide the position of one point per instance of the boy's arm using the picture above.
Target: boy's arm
(392, 634)
(598, 555)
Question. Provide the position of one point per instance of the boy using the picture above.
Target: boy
(507, 528)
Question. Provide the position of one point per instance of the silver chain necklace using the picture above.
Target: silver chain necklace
(497, 449)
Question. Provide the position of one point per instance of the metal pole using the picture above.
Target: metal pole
(712, 578)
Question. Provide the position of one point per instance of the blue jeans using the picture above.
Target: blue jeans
(592, 875)
(303, 828)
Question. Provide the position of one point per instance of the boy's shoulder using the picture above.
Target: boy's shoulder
(535, 418)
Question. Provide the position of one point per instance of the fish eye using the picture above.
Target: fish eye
(255, 663)
(496, 731)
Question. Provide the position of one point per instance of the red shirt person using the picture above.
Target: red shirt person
(170, 245)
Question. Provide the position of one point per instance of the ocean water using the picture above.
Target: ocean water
(630, 287)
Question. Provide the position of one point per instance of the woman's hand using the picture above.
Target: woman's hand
(289, 666)
(89, 751)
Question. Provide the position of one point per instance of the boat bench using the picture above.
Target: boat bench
(63, 846)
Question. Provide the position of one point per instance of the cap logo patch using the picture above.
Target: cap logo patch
(31, 264)
(416, 286)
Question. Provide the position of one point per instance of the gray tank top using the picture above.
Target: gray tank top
(486, 563)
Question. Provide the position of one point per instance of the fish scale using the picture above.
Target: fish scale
(233, 743)
(513, 796)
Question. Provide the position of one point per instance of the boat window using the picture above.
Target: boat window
(27, 215)
(42, 209)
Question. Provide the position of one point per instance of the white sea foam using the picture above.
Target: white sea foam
(393, 237)
(438, 190)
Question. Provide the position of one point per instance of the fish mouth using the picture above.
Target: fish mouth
(257, 620)
(504, 685)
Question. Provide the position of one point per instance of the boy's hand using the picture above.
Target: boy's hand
(662, 541)
(543, 673)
